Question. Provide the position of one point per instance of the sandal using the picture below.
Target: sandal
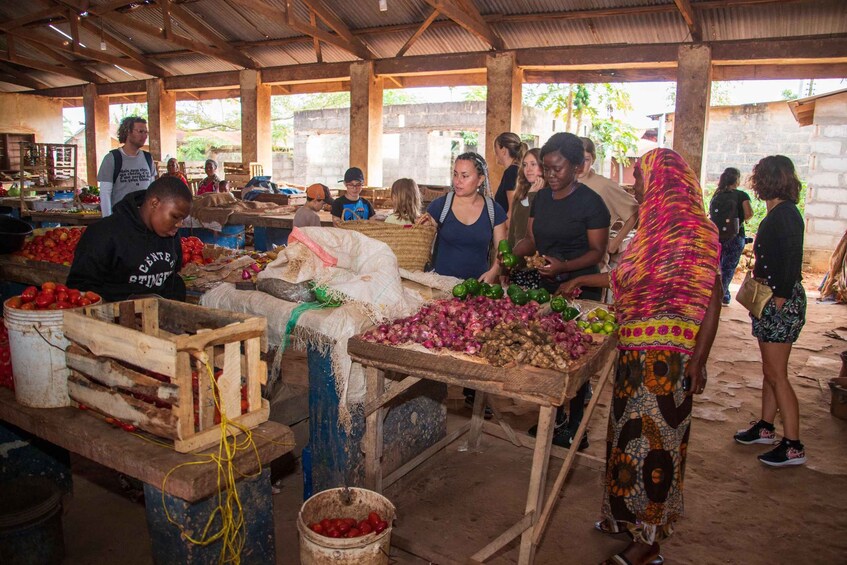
(620, 559)
(603, 527)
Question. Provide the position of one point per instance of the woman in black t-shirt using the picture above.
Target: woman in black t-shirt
(509, 151)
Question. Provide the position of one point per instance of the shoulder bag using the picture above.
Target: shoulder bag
(753, 295)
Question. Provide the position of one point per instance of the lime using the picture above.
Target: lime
(460, 290)
(596, 327)
(588, 331)
(473, 286)
(609, 327)
(520, 298)
(582, 324)
(611, 318)
(601, 314)
(504, 247)
(543, 296)
(558, 303)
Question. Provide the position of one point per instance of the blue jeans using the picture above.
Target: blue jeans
(730, 255)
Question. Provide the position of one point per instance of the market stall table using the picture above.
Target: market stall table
(64, 218)
(14, 268)
(188, 492)
(545, 388)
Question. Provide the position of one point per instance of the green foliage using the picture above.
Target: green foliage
(194, 149)
(615, 138)
(475, 93)
(398, 96)
(121, 111)
(470, 138)
(760, 209)
(789, 94)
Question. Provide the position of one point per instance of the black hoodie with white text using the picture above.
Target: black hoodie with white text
(119, 256)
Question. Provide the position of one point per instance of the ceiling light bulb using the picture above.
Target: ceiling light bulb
(102, 45)
(383, 5)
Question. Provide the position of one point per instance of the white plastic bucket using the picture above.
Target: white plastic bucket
(39, 365)
(371, 549)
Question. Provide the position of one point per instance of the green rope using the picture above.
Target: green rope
(292, 321)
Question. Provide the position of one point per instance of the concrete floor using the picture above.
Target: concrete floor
(737, 511)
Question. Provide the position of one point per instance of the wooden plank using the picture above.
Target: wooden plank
(418, 32)
(111, 340)
(205, 390)
(149, 310)
(503, 539)
(401, 471)
(252, 328)
(470, 21)
(159, 421)
(396, 390)
(538, 478)
(553, 498)
(184, 411)
(256, 372)
(126, 315)
(80, 432)
(477, 418)
(212, 437)
(229, 383)
(691, 19)
(372, 441)
(584, 459)
(112, 374)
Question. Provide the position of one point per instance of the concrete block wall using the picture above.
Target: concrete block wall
(826, 205)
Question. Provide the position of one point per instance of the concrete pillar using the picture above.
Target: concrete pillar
(161, 119)
(502, 107)
(366, 121)
(693, 96)
(97, 142)
(256, 141)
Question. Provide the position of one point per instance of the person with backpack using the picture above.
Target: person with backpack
(128, 168)
(729, 209)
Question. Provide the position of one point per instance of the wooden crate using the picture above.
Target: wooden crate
(239, 174)
(135, 361)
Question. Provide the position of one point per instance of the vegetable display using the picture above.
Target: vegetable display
(56, 245)
(349, 527)
(192, 251)
(599, 321)
(549, 343)
(52, 296)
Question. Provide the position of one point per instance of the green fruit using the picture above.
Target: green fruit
(596, 327)
(513, 288)
(504, 247)
(496, 292)
(520, 298)
(609, 327)
(558, 303)
(582, 324)
(484, 289)
(600, 313)
(533, 294)
(473, 286)
(569, 313)
(510, 261)
(460, 290)
(543, 296)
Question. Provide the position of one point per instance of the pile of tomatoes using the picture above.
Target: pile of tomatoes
(55, 246)
(52, 296)
(192, 251)
(5, 358)
(349, 527)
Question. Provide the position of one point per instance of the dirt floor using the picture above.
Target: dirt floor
(737, 510)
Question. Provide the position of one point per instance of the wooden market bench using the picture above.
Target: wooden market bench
(188, 491)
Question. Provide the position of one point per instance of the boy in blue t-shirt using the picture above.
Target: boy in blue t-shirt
(350, 206)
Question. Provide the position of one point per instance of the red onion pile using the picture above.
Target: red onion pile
(567, 335)
(452, 324)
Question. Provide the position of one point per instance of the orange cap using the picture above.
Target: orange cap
(316, 192)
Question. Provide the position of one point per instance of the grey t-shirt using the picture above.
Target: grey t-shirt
(135, 174)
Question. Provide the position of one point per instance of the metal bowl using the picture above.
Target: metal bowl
(13, 233)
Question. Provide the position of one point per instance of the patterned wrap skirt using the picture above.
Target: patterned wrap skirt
(783, 325)
(649, 425)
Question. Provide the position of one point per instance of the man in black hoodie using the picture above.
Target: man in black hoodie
(136, 250)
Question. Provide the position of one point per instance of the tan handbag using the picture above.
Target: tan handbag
(753, 295)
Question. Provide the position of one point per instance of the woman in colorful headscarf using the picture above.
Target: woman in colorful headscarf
(668, 293)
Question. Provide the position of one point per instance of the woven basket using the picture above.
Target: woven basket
(411, 244)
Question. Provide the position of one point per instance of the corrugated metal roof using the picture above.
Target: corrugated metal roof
(789, 19)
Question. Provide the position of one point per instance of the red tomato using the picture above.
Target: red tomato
(62, 305)
(14, 302)
(326, 524)
(374, 518)
(365, 527)
(343, 527)
(29, 293)
(61, 296)
(84, 302)
(353, 533)
(317, 528)
(380, 526)
(28, 306)
(92, 296)
(42, 301)
(48, 286)
(333, 533)
(61, 288)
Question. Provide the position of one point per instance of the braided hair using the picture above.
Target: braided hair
(481, 169)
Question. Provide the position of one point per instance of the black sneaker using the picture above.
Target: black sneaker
(784, 455)
(563, 438)
(757, 433)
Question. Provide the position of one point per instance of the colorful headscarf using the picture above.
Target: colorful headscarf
(664, 279)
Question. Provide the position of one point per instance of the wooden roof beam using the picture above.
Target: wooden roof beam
(470, 19)
(9, 73)
(691, 20)
(418, 32)
(317, 44)
(125, 48)
(55, 11)
(358, 49)
(95, 55)
(74, 72)
(337, 25)
(198, 26)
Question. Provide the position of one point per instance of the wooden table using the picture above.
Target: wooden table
(65, 218)
(188, 490)
(18, 269)
(546, 388)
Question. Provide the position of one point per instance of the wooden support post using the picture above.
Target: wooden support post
(538, 479)
(693, 95)
(375, 382)
(256, 120)
(477, 419)
(161, 119)
(97, 143)
(502, 107)
(366, 121)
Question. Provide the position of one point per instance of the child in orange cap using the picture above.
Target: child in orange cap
(307, 215)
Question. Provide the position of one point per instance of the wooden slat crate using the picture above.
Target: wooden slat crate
(239, 174)
(136, 361)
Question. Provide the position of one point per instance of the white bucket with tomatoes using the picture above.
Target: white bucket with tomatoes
(345, 526)
(37, 344)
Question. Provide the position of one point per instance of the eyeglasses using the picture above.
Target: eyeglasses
(355, 184)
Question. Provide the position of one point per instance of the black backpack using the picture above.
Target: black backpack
(723, 211)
